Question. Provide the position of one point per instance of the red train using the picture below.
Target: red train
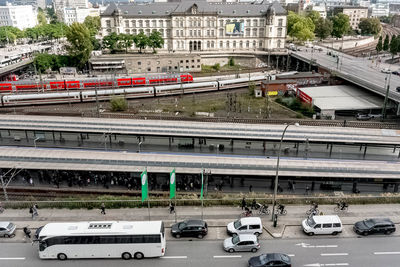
(51, 85)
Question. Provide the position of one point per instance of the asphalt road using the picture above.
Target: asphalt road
(363, 68)
(381, 251)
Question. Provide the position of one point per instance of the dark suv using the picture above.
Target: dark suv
(192, 228)
(371, 226)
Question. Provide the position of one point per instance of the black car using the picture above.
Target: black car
(191, 228)
(372, 226)
(270, 259)
(398, 88)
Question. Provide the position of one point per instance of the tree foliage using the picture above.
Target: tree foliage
(9, 34)
(323, 28)
(46, 61)
(340, 25)
(386, 43)
(110, 42)
(41, 18)
(379, 45)
(300, 27)
(394, 46)
(125, 41)
(93, 24)
(141, 41)
(51, 14)
(80, 46)
(118, 103)
(370, 26)
(314, 16)
(155, 40)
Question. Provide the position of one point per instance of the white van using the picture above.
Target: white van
(322, 225)
(248, 225)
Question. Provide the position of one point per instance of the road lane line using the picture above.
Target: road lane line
(336, 264)
(334, 254)
(291, 255)
(7, 259)
(231, 256)
(327, 246)
(387, 253)
(174, 257)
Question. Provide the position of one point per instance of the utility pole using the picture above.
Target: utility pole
(386, 97)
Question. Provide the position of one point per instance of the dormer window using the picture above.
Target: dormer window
(194, 9)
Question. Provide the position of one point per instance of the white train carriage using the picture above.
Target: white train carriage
(240, 82)
(186, 88)
(38, 99)
(88, 96)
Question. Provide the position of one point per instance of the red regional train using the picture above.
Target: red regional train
(51, 85)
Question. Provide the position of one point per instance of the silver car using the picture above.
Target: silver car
(242, 243)
(7, 229)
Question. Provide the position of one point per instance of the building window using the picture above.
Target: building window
(158, 62)
(280, 22)
(254, 32)
(247, 44)
(208, 44)
(140, 24)
(127, 23)
(255, 24)
(181, 23)
(261, 32)
(221, 32)
(254, 44)
(262, 23)
(260, 44)
(199, 32)
(195, 33)
(212, 46)
(208, 32)
(177, 32)
(221, 44)
(162, 32)
(190, 33)
(212, 33)
(227, 44)
(208, 23)
(149, 69)
(161, 23)
(139, 63)
(234, 44)
(153, 23)
(133, 22)
(147, 23)
(279, 43)
(181, 32)
(108, 23)
(279, 32)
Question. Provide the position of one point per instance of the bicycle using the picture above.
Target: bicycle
(281, 210)
(263, 210)
(313, 209)
(341, 206)
(246, 214)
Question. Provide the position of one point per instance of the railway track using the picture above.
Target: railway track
(326, 123)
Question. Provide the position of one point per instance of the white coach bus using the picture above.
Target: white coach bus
(109, 239)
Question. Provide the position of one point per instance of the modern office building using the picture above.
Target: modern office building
(21, 17)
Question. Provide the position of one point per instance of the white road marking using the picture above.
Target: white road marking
(387, 253)
(231, 256)
(7, 259)
(291, 255)
(305, 245)
(326, 264)
(174, 257)
(334, 254)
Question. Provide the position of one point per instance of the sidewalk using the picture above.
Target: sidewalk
(216, 217)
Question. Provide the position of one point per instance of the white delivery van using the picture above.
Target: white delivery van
(248, 225)
(322, 225)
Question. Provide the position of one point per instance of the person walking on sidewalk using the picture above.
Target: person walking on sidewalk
(171, 207)
(243, 203)
(103, 208)
(34, 211)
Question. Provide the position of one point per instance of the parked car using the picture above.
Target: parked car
(7, 229)
(386, 70)
(372, 226)
(242, 243)
(190, 228)
(395, 72)
(322, 225)
(249, 225)
(270, 259)
(363, 117)
(398, 89)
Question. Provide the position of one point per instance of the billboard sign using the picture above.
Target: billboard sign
(234, 28)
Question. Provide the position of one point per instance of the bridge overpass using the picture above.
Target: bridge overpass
(359, 71)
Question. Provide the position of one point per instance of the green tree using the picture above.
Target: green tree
(32, 33)
(394, 46)
(80, 46)
(118, 103)
(110, 42)
(231, 62)
(9, 34)
(125, 41)
(51, 14)
(314, 16)
(156, 40)
(379, 45)
(41, 18)
(141, 41)
(386, 43)
(370, 26)
(300, 27)
(93, 24)
(341, 25)
(323, 28)
(43, 62)
(252, 88)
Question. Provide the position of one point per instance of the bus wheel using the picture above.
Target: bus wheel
(139, 255)
(61, 256)
(126, 256)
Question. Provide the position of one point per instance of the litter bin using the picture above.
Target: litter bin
(275, 219)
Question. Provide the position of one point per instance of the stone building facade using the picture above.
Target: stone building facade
(189, 26)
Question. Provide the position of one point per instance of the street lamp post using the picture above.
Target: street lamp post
(277, 168)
